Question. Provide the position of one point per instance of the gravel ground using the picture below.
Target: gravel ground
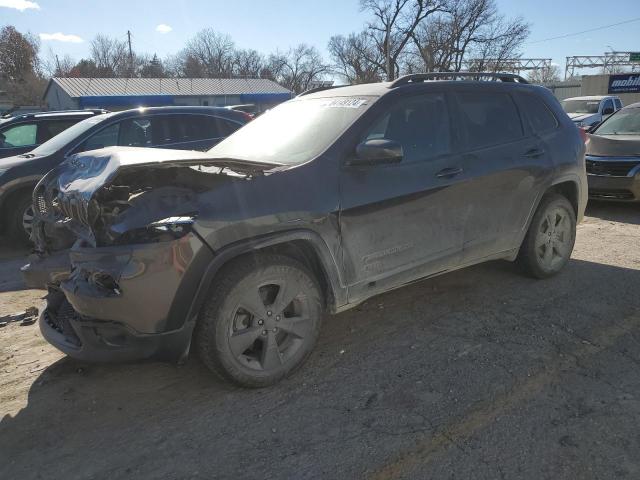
(481, 374)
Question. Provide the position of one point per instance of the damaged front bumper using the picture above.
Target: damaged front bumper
(123, 303)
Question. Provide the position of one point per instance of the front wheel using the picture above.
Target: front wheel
(548, 244)
(261, 321)
(20, 219)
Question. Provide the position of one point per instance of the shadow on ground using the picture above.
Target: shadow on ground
(478, 374)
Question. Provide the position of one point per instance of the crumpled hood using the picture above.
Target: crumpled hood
(614, 145)
(581, 117)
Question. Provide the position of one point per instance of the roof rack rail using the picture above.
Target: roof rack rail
(477, 76)
(319, 89)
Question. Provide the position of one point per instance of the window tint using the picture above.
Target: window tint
(539, 115)
(107, 137)
(136, 132)
(420, 124)
(21, 135)
(489, 118)
(226, 127)
(52, 128)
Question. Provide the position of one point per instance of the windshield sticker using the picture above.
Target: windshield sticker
(344, 103)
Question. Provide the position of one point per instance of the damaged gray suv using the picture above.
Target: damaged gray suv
(317, 205)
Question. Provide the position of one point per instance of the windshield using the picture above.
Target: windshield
(580, 106)
(65, 137)
(294, 132)
(624, 122)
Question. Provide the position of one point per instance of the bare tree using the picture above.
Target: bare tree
(151, 67)
(469, 34)
(542, 76)
(298, 67)
(393, 24)
(502, 42)
(55, 66)
(356, 58)
(110, 56)
(248, 63)
(209, 53)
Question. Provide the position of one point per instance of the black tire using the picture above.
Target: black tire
(246, 331)
(16, 210)
(548, 244)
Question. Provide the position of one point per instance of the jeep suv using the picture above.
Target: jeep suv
(314, 207)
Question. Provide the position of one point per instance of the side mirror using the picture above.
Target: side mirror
(607, 111)
(377, 152)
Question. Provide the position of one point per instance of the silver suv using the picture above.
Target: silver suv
(591, 110)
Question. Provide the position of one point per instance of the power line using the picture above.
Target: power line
(584, 31)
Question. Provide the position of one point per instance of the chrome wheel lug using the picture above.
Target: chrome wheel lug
(264, 332)
(275, 329)
(269, 313)
(260, 322)
(277, 318)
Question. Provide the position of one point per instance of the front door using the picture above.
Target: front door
(404, 221)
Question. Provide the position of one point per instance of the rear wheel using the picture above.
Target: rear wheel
(20, 218)
(261, 321)
(549, 242)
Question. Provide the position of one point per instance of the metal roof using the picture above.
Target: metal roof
(83, 87)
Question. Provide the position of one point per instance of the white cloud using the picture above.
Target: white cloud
(60, 37)
(162, 28)
(21, 5)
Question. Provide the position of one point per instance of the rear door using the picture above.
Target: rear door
(403, 221)
(505, 162)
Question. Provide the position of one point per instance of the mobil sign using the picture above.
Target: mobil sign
(624, 83)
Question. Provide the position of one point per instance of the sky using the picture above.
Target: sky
(163, 27)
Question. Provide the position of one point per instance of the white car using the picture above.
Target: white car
(592, 110)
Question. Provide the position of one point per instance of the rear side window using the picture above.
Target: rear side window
(488, 118)
(618, 103)
(420, 124)
(226, 127)
(539, 115)
(51, 128)
(136, 132)
(22, 135)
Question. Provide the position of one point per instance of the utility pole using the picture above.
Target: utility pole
(130, 54)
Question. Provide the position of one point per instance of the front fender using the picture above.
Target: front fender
(224, 255)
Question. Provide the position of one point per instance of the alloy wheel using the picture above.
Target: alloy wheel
(553, 241)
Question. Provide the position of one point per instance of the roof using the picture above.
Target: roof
(84, 87)
(592, 97)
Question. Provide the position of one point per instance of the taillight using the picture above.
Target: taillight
(247, 116)
(583, 135)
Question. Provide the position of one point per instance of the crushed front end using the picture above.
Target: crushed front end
(118, 254)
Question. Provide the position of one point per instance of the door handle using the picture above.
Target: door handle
(449, 172)
(534, 152)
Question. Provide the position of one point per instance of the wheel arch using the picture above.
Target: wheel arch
(303, 245)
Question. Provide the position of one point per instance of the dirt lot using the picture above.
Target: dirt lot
(479, 374)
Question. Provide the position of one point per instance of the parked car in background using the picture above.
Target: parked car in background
(24, 132)
(591, 110)
(250, 109)
(613, 157)
(183, 128)
(317, 205)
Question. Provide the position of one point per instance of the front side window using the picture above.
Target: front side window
(488, 118)
(608, 104)
(107, 137)
(539, 115)
(22, 135)
(624, 122)
(420, 124)
(618, 104)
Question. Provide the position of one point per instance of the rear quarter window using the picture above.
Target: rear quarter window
(488, 118)
(538, 113)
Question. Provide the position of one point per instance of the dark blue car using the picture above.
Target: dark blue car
(183, 128)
